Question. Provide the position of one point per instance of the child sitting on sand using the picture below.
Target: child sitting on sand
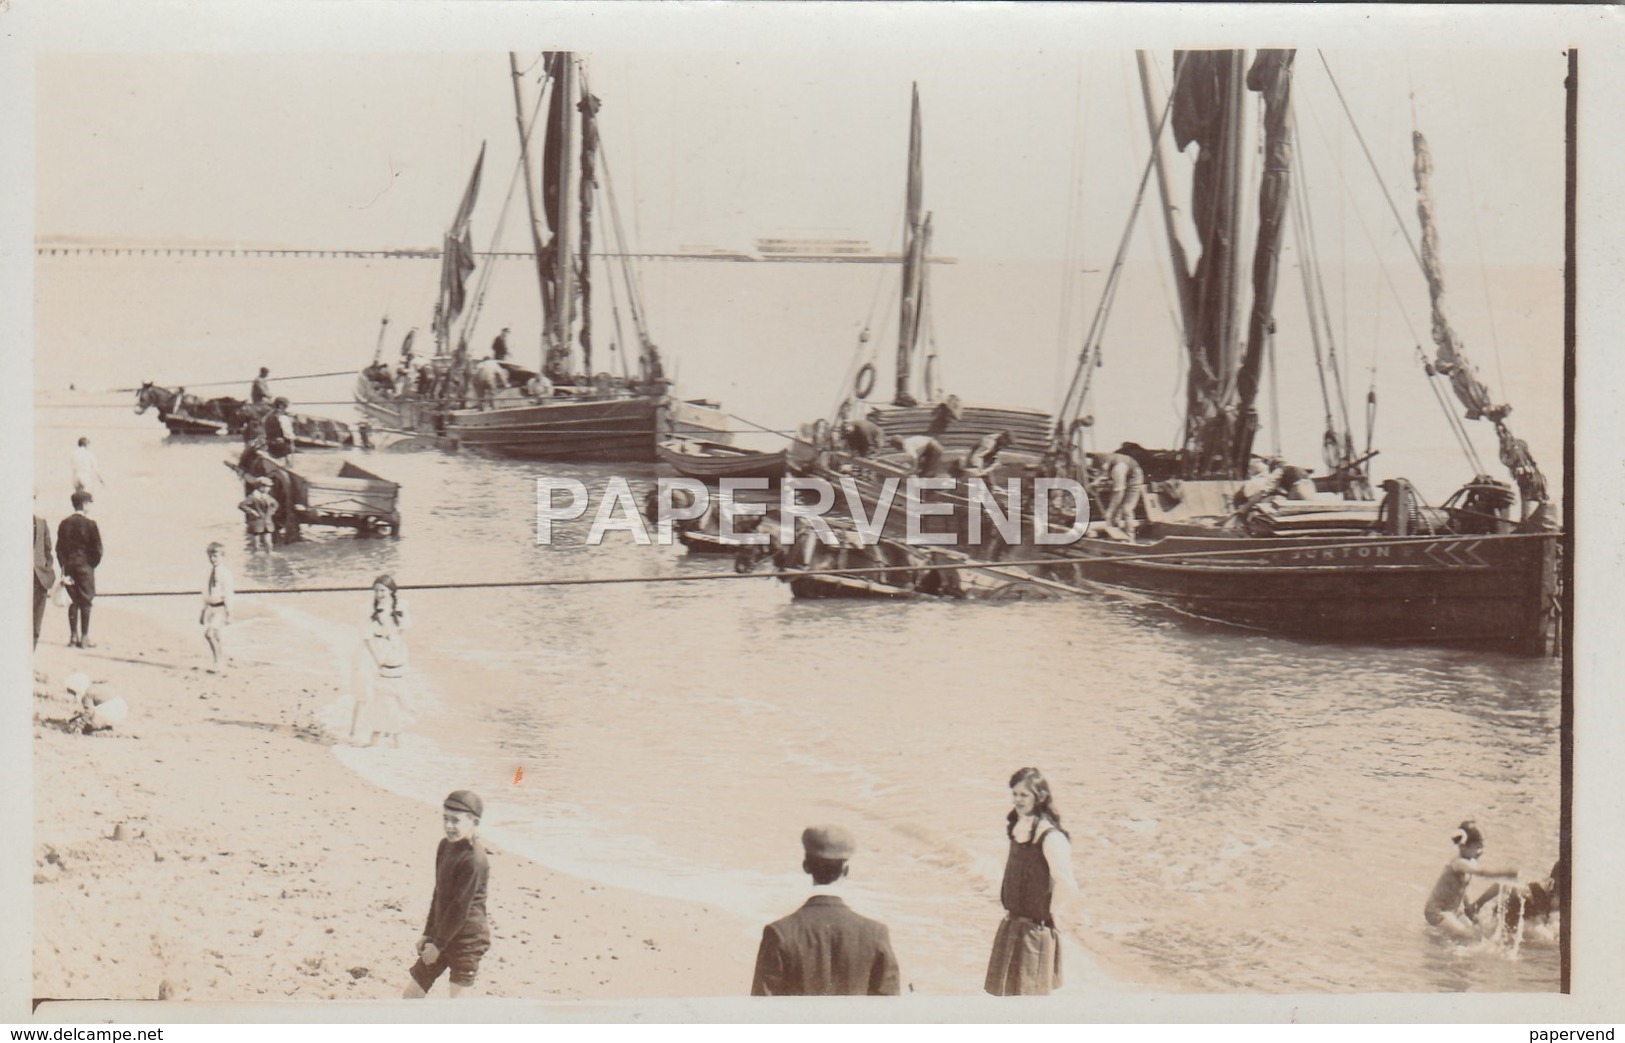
(455, 935)
(99, 708)
(1447, 907)
(218, 592)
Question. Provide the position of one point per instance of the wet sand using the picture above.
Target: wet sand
(253, 866)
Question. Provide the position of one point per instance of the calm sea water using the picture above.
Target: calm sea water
(1248, 813)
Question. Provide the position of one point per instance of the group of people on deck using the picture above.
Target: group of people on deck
(457, 378)
(1117, 478)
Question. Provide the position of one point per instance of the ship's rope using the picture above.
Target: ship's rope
(1312, 262)
(1072, 249)
(1309, 304)
(1055, 561)
(1458, 426)
(1478, 238)
(218, 383)
(1078, 389)
(488, 269)
(1399, 221)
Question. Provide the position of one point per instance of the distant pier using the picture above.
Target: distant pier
(74, 250)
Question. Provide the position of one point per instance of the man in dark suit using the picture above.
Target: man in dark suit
(44, 571)
(824, 948)
(79, 551)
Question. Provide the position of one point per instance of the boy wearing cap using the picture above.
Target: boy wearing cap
(824, 948)
(259, 511)
(455, 935)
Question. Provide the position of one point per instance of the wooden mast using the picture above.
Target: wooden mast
(564, 298)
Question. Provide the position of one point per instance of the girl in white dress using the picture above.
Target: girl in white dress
(380, 710)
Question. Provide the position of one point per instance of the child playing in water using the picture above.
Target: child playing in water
(455, 936)
(1447, 907)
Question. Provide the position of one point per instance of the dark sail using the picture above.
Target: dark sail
(908, 322)
(589, 181)
(1207, 111)
(457, 260)
(1452, 360)
(555, 142)
(1271, 77)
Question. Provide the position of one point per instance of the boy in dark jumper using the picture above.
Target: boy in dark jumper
(455, 935)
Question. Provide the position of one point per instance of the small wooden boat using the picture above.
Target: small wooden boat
(808, 564)
(710, 461)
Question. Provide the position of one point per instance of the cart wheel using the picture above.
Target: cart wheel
(389, 526)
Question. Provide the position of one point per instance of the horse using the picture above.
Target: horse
(175, 402)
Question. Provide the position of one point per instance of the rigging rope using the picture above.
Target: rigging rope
(1071, 252)
(483, 283)
(1313, 262)
(217, 383)
(1373, 163)
(1057, 560)
(1458, 427)
(1478, 240)
(1078, 389)
(1309, 304)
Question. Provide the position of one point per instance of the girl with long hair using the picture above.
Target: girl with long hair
(380, 710)
(1026, 958)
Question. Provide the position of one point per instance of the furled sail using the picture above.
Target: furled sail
(457, 260)
(1452, 360)
(1271, 77)
(588, 108)
(555, 159)
(1207, 109)
(908, 325)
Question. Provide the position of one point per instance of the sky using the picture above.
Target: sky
(372, 149)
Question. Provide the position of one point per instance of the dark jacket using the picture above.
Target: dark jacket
(78, 545)
(825, 949)
(44, 572)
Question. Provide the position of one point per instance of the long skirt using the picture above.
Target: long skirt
(1026, 959)
(383, 706)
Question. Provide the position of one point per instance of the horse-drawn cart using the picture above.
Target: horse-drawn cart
(322, 490)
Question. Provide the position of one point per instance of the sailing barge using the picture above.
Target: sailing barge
(563, 409)
(1221, 542)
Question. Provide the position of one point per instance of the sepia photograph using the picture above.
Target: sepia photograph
(626, 510)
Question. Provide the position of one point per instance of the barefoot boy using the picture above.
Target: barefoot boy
(218, 592)
(455, 935)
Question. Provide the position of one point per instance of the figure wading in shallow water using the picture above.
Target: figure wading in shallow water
(1447, 907)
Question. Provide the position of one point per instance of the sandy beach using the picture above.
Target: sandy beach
(253, 866)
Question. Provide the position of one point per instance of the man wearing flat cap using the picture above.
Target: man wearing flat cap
(824, 948)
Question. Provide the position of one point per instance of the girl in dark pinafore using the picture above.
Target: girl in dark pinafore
(1026, 957)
